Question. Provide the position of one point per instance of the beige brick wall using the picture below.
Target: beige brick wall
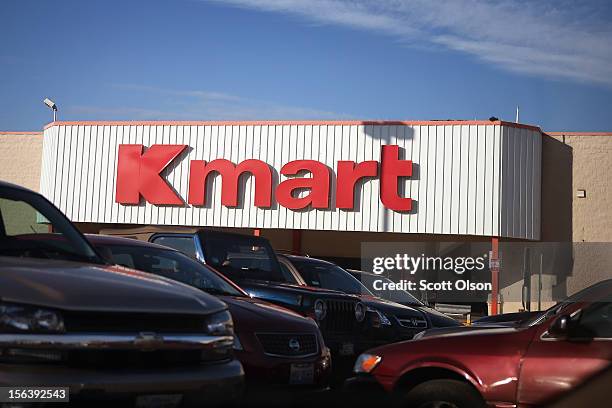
(20, 158)
(578, 229)
(592, 171)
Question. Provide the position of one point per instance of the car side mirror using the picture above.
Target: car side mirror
(560, 327)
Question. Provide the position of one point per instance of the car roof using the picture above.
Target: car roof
(358, 272)
(96, 239)
(235, 235)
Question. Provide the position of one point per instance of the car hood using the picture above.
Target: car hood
(436, 319)
(257, 288)
(87, 287)
(389, 306)
(467, 331)
(255, 315)
(293, 287)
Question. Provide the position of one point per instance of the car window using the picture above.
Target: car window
(399, 296)
(32, 227)
(240, 257)
(122, 259)
(328, 276)
(172, 265)
(557, 309)
(596, 319)
(185, 245)
(286, 271)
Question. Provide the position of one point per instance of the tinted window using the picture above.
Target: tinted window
(173, 265)
(328, 276)
(31, 227)
(185, 245)
(240, 257)
(587, 294)
(596, 319)
(286, 271)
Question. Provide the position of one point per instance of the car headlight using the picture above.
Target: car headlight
(379, 319)
(366, 363)
(220, 324)
(360, 312)
(320, 309)
(21, 318)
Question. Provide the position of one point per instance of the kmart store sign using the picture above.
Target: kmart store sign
(463, 178)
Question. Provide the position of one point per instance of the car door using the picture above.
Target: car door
(554, 365)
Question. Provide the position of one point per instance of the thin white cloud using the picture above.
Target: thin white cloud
(552, 39)
(199, 105)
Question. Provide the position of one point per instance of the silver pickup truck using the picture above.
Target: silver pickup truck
(69, 319)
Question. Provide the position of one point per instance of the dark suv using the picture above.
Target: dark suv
(388, 321)
(67, 318)
(251, 263)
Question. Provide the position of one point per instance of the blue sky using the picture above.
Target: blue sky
(307, 59)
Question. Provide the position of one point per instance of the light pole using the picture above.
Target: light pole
(51, 105)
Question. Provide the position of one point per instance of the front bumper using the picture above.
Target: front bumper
(216, 379)
(365, 390)
(363, 383)
(221, 376)
(274, 372)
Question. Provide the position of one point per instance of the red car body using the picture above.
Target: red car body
(263, 329)
(521, 366)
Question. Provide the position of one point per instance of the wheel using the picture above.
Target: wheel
(444, 394)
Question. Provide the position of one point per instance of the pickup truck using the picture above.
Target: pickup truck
(69, 319)
(250, 262)
(526, 365)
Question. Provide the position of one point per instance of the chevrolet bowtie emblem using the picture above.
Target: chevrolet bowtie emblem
(148, 341)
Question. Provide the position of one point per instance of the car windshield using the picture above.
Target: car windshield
(242, 258)
(580, 296)
(169, 264)
(31, 227)
(398, 296)
(328, 276)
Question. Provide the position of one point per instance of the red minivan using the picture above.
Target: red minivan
(524, 366)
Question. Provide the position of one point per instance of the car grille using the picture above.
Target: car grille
(288, 344)
(81, 322)
(340, 316)
(133, 359)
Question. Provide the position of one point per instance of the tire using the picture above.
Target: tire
(444, 394)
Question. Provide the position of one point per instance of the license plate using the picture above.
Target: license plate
(347, 349)
(158, 401)
(301, 374)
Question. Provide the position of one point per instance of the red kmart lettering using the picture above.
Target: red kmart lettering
(138, 175)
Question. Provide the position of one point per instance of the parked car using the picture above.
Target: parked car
(276, 346)
(526, 365)
(250, 262)
(67, 318)
(389, 321)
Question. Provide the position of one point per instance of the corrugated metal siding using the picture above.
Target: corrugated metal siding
(468, 179)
